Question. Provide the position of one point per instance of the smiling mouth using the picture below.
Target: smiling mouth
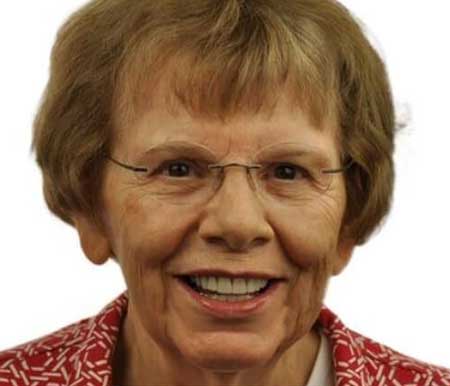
(226, 289)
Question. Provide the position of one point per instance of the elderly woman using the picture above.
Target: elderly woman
(229, 155)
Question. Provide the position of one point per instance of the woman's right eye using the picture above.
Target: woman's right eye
(176, 169)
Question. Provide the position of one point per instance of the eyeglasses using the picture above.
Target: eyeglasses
(183, 173)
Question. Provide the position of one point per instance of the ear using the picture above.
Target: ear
(344, 254)
(93, 240)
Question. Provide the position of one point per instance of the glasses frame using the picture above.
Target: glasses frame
(138, 169)
(248, 167)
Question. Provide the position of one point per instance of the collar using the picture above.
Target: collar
(95, 343)
(349, 362)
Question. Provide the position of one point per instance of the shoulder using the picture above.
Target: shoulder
(367, 362)
(42, 358)
(387, 366)
(78, 354)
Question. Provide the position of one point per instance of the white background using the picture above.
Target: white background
(395, 290)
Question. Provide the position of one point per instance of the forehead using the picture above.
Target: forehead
(166, 119)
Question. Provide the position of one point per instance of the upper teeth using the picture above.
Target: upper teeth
(226, 285)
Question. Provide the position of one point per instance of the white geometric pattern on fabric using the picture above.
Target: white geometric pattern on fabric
(77, 355)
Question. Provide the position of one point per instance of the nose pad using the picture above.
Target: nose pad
(249, 169)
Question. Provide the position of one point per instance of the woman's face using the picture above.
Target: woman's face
(235, 231)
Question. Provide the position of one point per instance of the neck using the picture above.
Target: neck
(139, 361)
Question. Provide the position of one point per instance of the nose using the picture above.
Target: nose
(234, 218)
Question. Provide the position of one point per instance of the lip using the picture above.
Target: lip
(232, 310)
(233, 275)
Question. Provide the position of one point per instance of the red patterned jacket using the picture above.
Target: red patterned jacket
(81, 355)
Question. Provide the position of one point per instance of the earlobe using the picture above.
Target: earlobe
(344, 255)
(93, 241)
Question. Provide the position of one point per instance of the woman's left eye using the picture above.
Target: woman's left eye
(178, 169)
(288, 171)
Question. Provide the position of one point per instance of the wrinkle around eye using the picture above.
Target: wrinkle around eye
(134, 190)
(330, 207)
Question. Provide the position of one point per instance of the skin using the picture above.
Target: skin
(165, 339)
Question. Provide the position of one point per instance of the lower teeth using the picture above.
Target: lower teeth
(228, 298)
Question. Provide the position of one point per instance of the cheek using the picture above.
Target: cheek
(304, 300)
(309, 238)
(310, 233)
(148, 232)
(308, 286)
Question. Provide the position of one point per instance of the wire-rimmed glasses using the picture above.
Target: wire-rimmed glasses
(184, 173)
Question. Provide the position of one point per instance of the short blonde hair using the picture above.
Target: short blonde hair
(221, 57)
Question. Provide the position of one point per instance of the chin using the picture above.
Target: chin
(225, 353)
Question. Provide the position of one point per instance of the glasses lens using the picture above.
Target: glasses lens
(289, 174)
(292, 184)
(292, 173)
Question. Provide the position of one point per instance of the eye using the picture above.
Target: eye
(177, 168)
(287, 171)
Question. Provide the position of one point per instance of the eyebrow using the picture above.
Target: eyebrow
(295, 149)
(283, 149)
(187, 148)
